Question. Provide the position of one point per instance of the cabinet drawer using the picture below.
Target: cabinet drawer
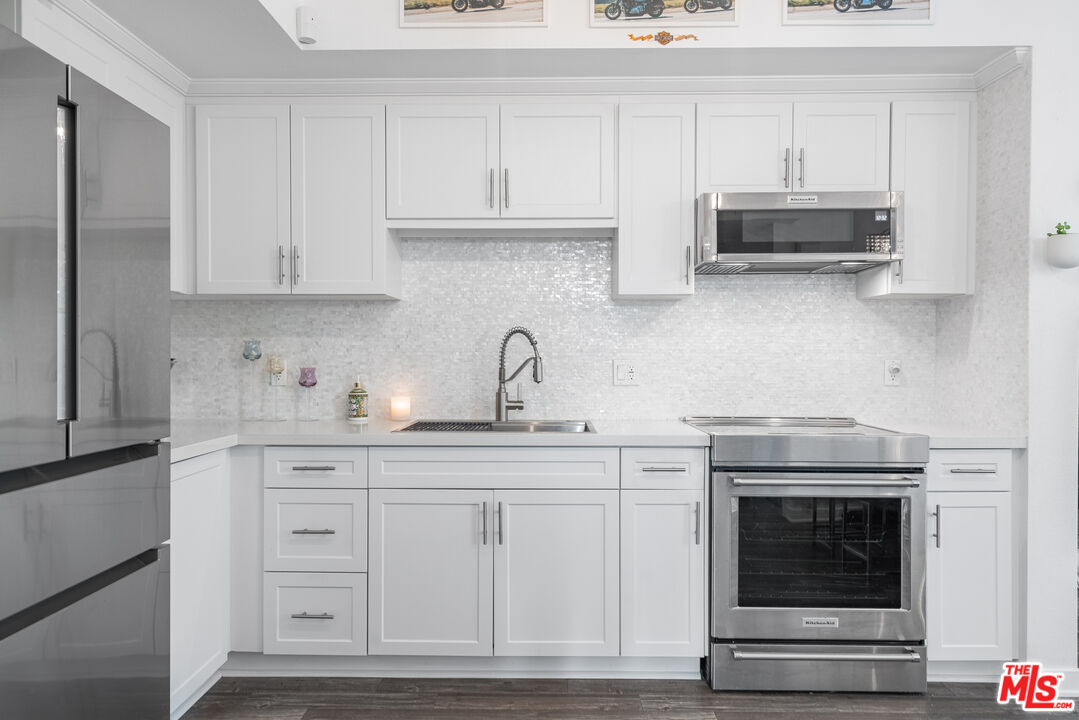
(494, 468)
(315, 467)
(315, 530)
(314, 613)
(663, 468)
(970, 470)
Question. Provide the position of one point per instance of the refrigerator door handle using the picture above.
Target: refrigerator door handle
(67, 398)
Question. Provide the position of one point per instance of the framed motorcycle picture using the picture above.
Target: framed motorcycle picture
(651, 15)
(858, 12)
(473, 13)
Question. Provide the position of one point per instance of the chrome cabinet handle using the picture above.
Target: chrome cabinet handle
(491, 189)
(295, 265)
(825, 482)
(973, 471)
(312, 616)
(485, 522)
(313, 468)
(697, 529)
(305, 531)
(787, 168)
(802, 167)
(652, 468)
(908, 656)
(689, 263)
(281, 265)
(501, 533)
(506, 187)
(936, 535)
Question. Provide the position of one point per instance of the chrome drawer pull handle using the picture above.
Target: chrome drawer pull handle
(485, 522)
(697, 529)
(973, 471)
(314, 468)
(664, 469)
(312, 616)
(936, 535)
(305, 531)
(909, 656)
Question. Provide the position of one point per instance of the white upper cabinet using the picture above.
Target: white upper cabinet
(291, 201)
(777, 147)
(443, 161)
(558, 161)
(338, 192)
(242, 205)
(744, 147)
(841, 146)
(931, 165)
(533, 161)
(654, 250)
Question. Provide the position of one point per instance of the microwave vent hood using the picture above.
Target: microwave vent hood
(836, 233)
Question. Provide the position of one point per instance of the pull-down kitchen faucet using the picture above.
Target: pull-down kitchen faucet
(502, 402)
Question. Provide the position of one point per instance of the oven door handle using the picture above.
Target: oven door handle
(908, 656)
(879, 481)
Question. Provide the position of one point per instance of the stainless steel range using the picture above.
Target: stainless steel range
(818, 555)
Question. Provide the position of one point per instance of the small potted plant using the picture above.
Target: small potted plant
(1062, 248)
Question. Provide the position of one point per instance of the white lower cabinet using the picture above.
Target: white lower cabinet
(663, 572)
(431, 572)
(969, 576)
(476, 572)
(556, 572)
(314, 613)
(199, 573)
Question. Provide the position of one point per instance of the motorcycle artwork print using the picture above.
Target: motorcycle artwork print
(857, 12)
(473, 13)
(659, 13)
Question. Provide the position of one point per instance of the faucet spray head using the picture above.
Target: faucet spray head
(537, 369)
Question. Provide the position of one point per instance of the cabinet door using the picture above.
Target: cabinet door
(931, 166)
(969, 576)
(558, 161)
(242, 207)
(663, 573)
(745, 147)
(654, 250)
(200, 573)
(841, 146)
(430, 572)
(556, 572)
(442, 161)
(339, 242)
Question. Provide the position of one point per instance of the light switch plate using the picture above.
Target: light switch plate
(893, 373)
(625, 372)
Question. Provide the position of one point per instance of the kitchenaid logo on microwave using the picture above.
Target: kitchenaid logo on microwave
(1025, 684)
(801, 199)
(825, 622)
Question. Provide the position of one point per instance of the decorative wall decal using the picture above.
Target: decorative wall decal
(473, 13)
(663, 38)
(673, 13)
(857, 12)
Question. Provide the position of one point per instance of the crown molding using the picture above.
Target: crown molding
(286, 87)
(1003, 66)
(105, 27)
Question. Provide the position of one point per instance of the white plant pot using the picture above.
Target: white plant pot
(1062, 251)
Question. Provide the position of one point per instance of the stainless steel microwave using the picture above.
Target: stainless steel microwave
(798, 233)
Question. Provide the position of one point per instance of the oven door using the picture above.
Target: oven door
(835, 556)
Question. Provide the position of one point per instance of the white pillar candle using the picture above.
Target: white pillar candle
(400, 407)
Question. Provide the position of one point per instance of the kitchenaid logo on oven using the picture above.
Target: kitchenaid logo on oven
(1030, 689)
(821, 622)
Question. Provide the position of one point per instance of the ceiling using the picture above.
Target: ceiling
(239, 39)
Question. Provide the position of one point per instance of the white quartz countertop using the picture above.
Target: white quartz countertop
(191, 438)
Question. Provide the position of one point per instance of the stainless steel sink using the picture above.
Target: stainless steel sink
(508, 426)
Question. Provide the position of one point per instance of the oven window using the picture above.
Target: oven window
(820, 552)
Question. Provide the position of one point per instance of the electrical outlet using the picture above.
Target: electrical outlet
(280, 379)
(625, 372)
(893, 373)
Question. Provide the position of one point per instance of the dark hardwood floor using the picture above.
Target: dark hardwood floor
(400, 699)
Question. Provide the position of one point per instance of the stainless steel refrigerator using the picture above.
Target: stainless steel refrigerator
(84, 396)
